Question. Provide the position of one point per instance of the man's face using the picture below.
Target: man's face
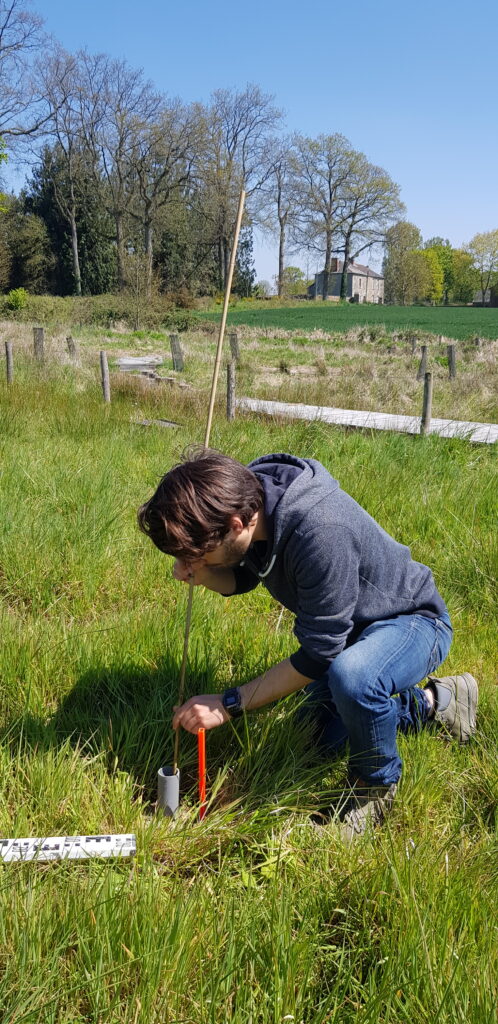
(232, 548)
(227, 554)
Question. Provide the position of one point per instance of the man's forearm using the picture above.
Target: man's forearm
(280, 680)
(206, 711)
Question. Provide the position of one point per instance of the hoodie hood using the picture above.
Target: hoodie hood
(292, 486)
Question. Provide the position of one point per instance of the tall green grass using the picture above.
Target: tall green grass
(250, 916)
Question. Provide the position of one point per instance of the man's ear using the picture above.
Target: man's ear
(236, 524)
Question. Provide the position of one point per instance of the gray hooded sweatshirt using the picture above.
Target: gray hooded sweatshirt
(329, 562)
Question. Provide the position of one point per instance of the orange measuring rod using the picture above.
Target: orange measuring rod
(201, 758)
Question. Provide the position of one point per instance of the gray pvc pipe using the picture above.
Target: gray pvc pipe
(168, 790)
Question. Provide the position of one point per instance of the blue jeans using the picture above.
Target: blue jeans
(369, 692)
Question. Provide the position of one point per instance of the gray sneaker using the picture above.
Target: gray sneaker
(366, 808)
(455, 704)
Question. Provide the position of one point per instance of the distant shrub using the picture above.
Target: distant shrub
(16, 299)
(179, 319)
(181, 297)
(106, 311)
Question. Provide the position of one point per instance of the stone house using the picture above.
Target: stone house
(363, 283)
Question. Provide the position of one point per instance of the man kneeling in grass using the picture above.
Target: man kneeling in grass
(369, 620)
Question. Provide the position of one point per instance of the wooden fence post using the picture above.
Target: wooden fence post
(231, 390)
(234, 345)
(71, 347)
(176, 352)
(451, 361)
(425, 422)
(423, 363)
(10, 361)
(39, 343)
(104, 372)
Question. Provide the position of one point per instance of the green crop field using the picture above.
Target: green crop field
(250, 917)
(459, 322)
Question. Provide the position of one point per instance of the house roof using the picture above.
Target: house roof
(355, 268)
(358, 269)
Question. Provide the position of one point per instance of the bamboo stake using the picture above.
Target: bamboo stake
(224, 318)
(221, 335)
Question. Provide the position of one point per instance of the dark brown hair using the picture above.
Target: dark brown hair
(190, 512)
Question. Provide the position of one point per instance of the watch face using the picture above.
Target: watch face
(232, 702)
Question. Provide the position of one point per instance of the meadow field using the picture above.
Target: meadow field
(363, 368)
(251, 916)
(459, 322)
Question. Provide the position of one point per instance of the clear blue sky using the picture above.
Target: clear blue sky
(414, 85)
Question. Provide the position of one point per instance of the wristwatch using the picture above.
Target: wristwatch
(232, 702)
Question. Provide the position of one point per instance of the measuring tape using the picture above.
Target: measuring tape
(67, 847)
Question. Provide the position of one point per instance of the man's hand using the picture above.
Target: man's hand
(221, 581)
(203, 712)
(186, 572)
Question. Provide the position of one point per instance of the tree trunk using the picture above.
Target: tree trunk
(344, 276)
(326, 268)
(149, 234)
(118, 217)
(76, 259)
(281, 251)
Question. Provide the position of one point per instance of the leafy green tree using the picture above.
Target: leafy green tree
(445, 255)
(404, 273)
(96, 249)
(262, 289)
(483, 248)
(293, 282)
(435, 276)
(184, 258)
(465, 279)
(244, 271)
(31, 256)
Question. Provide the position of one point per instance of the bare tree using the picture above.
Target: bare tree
(22, 106)
(162, 160)
(370, 202)
(322, 168)
(60, 80)
(117, 107)
(238, 127)
(276, 210)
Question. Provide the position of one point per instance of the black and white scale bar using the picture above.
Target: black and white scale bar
(67, 847)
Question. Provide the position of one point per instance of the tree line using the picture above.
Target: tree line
(433, 271)
(130, 188)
